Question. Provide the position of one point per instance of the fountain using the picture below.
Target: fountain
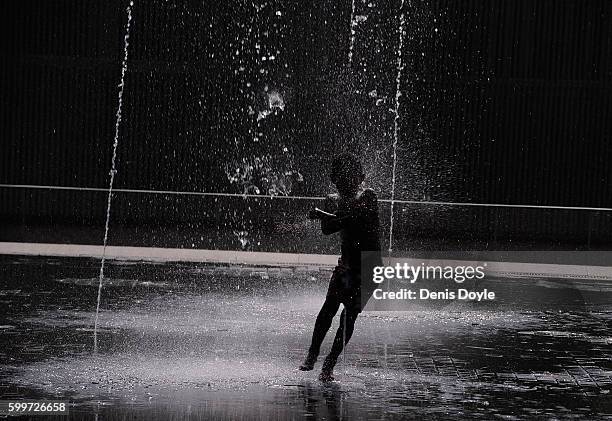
(398, 94)
(113, 169)
(352, 38)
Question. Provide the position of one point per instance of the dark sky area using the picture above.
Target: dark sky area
(502, 101)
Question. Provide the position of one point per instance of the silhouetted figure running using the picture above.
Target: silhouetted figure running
(354, 213)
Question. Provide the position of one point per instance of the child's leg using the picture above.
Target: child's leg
(343, 335)
(324, 321)
(322, 325)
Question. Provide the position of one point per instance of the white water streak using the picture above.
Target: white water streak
(398, 94)
(344, 342)
(113, 170)
(352, 39)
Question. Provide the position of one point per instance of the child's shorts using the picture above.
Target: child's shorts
(345, 287)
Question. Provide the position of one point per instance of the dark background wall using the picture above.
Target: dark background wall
(502, 102)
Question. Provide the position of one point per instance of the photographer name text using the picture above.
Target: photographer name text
(404, 272)
(426, 294)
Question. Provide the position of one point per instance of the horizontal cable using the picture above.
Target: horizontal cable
(261, 196)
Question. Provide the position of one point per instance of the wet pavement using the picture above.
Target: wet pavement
(187, 341)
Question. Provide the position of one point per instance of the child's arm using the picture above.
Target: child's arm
(368, 209)
(364, 214)
(331, 222)
(317, 213)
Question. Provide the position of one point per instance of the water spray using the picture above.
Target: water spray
(113, 169)
(398, 94)
(352, 38)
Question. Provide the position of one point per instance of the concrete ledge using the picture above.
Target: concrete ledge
(155, 254)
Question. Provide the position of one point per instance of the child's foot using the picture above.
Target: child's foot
(326, 376)
(308, 363)
(327, 371)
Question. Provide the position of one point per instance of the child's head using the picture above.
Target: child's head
(347, 173)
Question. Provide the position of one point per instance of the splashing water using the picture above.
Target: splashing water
(264, 175)
(398, 94)
(113, 170)
(275, 102)
(243, 238)
(352, 39)
(344, 344)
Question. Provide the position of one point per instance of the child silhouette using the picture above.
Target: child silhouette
(354, 213)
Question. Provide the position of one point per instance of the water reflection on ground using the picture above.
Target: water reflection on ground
(188, 341)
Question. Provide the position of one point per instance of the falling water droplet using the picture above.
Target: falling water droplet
(113, 169)
(398, 94)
